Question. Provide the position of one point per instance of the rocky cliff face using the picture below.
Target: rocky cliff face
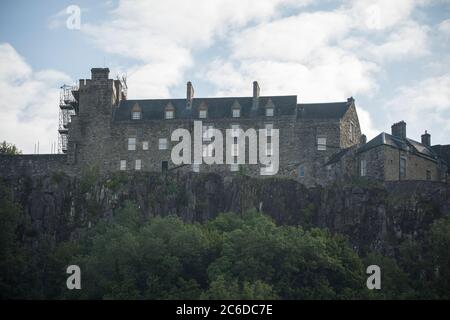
(371, 215)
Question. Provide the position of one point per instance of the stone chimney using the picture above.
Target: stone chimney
(189, 94)
(255, 95)
(426, 139)
(399, 130)
(363, 139)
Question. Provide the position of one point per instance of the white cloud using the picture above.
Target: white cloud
(424, 106)
(382, 14)
(366, 123)
(444, 27)
(408, 41)
(161, 35)
(29, 104)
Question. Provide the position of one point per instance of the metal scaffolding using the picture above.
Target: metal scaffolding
(68, 106)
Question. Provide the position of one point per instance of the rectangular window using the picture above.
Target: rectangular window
(207, 132)
(169, 114)
(269, 149)
(236, 113)
(145, 145)
(363, 168)
(321, 143)
(131, 144)
(352, 131)
(208, 150)
(138, 165)
(164, 166)
(269, 112)
(196, 167)
(136, 115)
(269, 127)
(235, 150)
(402, 167)
(202, 114)
(235, 130)
(163, 144)
(234, 167)
(301, 171)
(123, 165)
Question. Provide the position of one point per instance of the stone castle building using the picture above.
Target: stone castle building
(318, 143)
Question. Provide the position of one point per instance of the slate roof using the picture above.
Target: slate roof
(153, 109)
(408, 144)
(331, 110)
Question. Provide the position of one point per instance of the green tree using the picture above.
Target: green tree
(9, 148)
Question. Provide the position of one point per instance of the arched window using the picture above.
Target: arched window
(136, 112)
(169, 111)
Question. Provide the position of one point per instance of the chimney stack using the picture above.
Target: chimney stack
(255, 95)
(399, 130)
(426, 139)
(363, 139)
(189, 94)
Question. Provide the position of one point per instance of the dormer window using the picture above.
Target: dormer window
(169, 112)
(136, 115)
(136, 112)
(236, 109)
(203, 111)
(270, 108)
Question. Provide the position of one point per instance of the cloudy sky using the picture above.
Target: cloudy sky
(393, 57)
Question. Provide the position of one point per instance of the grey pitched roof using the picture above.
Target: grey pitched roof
(331, 110)
(408, 144)
(153, 109)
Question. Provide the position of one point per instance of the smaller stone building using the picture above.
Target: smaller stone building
(390, 157)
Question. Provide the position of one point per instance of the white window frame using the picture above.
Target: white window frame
(123, 165)
(363, 168)
(269, 112)
(203, 114)
(235, 130)
(207, 132)
(162, 144)
(321, 143)
(235, 150)
(138, 164)
(136, 115)
(169, 114)
(269, 149)
(207, 150)
(236, 113)
(145, 145)
(268, 127)
(132, 144)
